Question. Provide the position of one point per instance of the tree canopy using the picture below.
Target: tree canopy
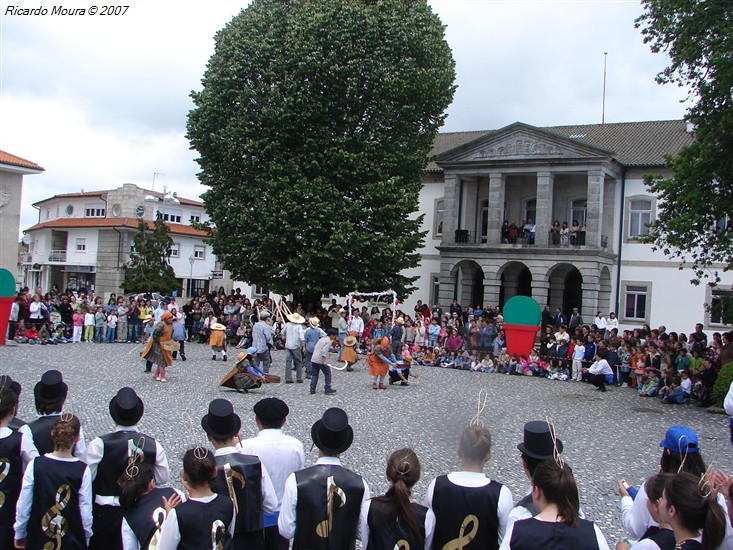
(695, 208)
(313, 128)
(148, 269)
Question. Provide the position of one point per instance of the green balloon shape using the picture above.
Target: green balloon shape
(522, 310)
(7, 283)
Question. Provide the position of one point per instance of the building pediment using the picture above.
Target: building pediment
(520, 142)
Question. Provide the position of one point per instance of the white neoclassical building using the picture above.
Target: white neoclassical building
(592, 174)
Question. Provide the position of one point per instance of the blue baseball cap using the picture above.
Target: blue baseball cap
(680, 439)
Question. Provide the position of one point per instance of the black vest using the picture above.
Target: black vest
(16, 423)
(329, 504)
(118, 447)
(529, 534)
(528, 503)
(146, 518)
(466, 514)
(388, 529)
(41, 429)
(664, 538)
(11, 478)
(55, 515)
(205, 524)
(690, 545)
(239, 477)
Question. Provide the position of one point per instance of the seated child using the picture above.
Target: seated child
(676, 395)
(502, 362)
(457, 360)
(513, 362)
(649, 385)
(686, 384)
(487, 364)
(446, 360)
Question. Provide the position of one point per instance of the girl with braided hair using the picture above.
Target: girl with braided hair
(55, 504)
(395, 518)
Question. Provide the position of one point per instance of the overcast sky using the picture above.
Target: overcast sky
(101, 101)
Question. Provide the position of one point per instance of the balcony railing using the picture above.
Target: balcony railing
(57, 256)
(464, 237)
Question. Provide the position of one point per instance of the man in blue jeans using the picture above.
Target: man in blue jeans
(319, 361)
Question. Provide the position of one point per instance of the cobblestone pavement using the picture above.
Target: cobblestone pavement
(606, 436)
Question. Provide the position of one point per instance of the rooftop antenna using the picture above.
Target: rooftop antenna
(155, 176)
(603, 110)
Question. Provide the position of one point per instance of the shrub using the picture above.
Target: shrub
(722, 384)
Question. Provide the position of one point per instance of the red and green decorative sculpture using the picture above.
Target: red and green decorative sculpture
(7, 297)
(522, 319)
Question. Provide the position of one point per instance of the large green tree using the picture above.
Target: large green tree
(148, 269)
(697, 202)
(313, 129)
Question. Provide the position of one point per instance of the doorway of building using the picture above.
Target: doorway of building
(516, 280)
(566, 289)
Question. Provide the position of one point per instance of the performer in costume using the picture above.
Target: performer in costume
(50, 396)
(281, 454)
(395, 519)
(55, 503)
(240, 476)
(206, 519)
(470, 509)
(557, 524)
(109, 455)
(321, 504)
(8, 383)
(218, 341)
(245, 375)
(655, 538)
(349, 351)
(156, 351)
(399, 371)
(16, 451)
(145, 507)
(379, 362)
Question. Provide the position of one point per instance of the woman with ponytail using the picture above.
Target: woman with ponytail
(395, 517)
(55, 504)
(145, 507)
(557, 524)
(697, 519)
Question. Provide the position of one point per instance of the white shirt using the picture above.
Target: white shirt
(478, 479)
(286, 520)
(95, 452)
(728, 402)
(170, 535)
(280, 453)
(600, 367)
(600, 539)
(364, 526)
(80, 449)
(519, 513)
(578, 352)
(601, 323)
(320, 351)
(269, 498)
(562, 336)
(294, 335)
(357, 324)
(28, 449)
(25, 501)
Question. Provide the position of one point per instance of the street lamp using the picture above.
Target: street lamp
(191, 260)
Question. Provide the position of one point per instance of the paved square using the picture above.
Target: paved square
(606, 436)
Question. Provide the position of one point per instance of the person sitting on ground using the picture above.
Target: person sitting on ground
(676, 395)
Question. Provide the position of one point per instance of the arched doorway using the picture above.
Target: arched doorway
(566, 289)
(516, 280)
(469, 283)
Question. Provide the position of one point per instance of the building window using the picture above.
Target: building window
(174, 250)
(91, 211)
(438, 218)
(640, 215)
(195, 218)
(81, 245)
(721, 307)
(260, 291)
(199, 252)
(530, 210)
(199, 287)
(723, 225)
(636, 301)
(434, 289)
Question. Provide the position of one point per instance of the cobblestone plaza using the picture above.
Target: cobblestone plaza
(606, 436)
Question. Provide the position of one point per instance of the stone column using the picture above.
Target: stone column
(492, 288)
(540, 285)
(451, 192)
(594, 215)
(496, 207)
(545, 187)
(591, 291)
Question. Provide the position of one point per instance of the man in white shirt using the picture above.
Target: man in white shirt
(357, 324)
(303, 516)
(599, 370)
(281, 454)
(294, 347)
(319, 361)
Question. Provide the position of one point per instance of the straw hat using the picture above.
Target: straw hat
(314, 322)
(400, 321)
(296, 318)
(218, 326)
(349, 341)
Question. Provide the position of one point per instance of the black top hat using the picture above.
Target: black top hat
(332, 433)
(8, 383)
(126, 408)
(271, 409)
(51, 388)
(537, 442)
(221, 422)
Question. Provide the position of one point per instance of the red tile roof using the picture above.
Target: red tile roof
(128, 223)
(7, 158)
